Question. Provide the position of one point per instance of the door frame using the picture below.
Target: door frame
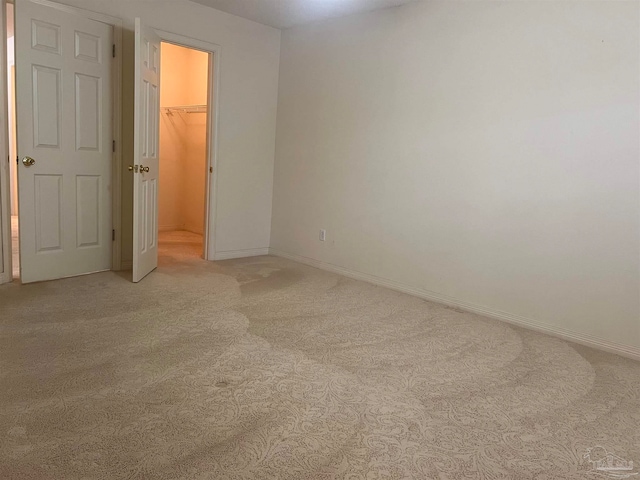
(213, 89)
(116, 120)
(5, 198)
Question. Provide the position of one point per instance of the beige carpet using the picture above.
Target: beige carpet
(263, 368)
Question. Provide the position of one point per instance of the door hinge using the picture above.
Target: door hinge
(113, 50)
(113, 146)
(113, 235)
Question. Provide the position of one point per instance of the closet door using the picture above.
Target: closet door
(146, 157)
(63, 90)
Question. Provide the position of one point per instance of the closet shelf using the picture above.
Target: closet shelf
(187, 109)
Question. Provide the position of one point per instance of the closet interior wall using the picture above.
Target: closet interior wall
(183, 139)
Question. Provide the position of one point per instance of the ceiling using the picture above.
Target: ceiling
(287, 13)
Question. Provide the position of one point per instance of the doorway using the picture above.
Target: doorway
(183, 161)
(13, 167)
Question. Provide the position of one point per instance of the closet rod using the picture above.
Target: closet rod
(187, 109)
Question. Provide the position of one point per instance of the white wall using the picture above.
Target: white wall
(247, 116)
(482, 153)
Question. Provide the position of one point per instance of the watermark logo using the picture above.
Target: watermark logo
(609, 465)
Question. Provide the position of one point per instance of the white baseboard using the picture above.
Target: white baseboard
(581, 338)
(253, 252)
(228, 255)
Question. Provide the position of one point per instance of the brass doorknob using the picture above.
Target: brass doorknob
(133, 168)
(144, 169)
(28, 161)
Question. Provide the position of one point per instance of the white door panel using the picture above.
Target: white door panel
(63, 88)
(146, 137)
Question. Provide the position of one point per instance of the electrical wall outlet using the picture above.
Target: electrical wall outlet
(323, 235)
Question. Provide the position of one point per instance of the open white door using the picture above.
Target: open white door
(64, 96)
(146, 145)
(5, 219)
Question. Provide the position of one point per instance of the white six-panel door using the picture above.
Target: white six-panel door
(146, 144)
(63, 89)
